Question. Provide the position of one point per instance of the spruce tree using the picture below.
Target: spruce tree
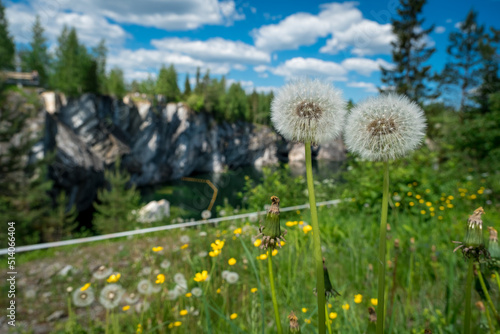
(62, 221)
(37, 58)
(187, 88)
(197, 86)
(7, 47)
(490, 81)
(116, 202)
(410, 52)
(116, 83)
(463, 71)
(99, 53)
(167, 84)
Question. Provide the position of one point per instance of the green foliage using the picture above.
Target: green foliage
(116, 203)
(237, 107)
(187, 88)
(99, 54)
(167, 84)
(410, 52)
(116, 83)
(37, 58)
(75, 71)
(62, 220)
(7, 47)
(195, 102)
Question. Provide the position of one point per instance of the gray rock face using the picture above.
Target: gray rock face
(157, 144)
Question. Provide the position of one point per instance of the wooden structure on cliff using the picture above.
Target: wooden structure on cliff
(20, 78)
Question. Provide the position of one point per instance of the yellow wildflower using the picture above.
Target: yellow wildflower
(473, 196)
(421, 201)
(451, 197)
(307, 228)
(304, 310)
(126, 308)
(275, 252)
(397, 204)
(263, 256)
(422, 212)
(374, 301)
(345, 307)
(333, 315)
(218, 290)
(114, 278)
(233, 316)
(257, 242)
(184, 246)
(183, 312)
(298, 212)
(418, 197)
(253, 290)
(238, 231)
(358, 298)
(232, 261)
(189, 294)
(412, 204)
(428, 203)
(160, 279)
(157, 249)
(139, 329)
(409, 193)
(177, 323)
(201, 277)
(308, 321)
(85, 287)
(450, 206)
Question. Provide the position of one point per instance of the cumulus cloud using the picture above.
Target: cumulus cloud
(168, 15)
(367, 86)
(299, 66)
(215, 49)
(365, 66)
(439, 29)
(343, 22)
(90, 28)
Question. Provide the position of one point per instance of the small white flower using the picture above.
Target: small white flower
(111, 295)
(232, 277)
(253, 217)
(202, 254)
(308, 110)
(83, 298)
(206, 214)
(146, 270)
(184, 239)
(197, 292)
(222, 213)
(203, 234)
(385, 127)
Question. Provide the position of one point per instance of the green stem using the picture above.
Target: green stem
(468, 299)
(497, 278)
(381, 253)
(318, 258)
(328, 321)
(490, 324)
(208, 323)
(273, 291)
(487, 295)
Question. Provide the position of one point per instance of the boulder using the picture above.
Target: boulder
(154, 211)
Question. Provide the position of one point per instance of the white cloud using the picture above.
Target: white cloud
(449, 20)
(168, 15)
(368, 86)
(364, 66)
(299, 66)
(365, 38)
(342, 21)
(458, 25)
(215, 49)
(261, 68)
(90, 28)
(439, 29)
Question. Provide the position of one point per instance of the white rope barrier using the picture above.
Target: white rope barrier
(154, 229)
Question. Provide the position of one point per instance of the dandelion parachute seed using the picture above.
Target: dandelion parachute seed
(385, 128)
(83, 298)
(111, 296)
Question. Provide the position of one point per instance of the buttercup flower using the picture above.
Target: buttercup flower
(83, 298)
(385, 127)
(201, 277)
(111, 295)
(308, 110)
(114, 278)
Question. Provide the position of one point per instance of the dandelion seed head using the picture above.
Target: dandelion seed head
(83, 298)
(307, 110)
(172, 295)
(184, 239)
(144, 287)
(385, 127)
(102, 272)
(232, 277)
(197, 292)
(165, 264)
(131, 298)
(179, 278)
(111, 296)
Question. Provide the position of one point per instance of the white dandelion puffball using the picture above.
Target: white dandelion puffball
(202, 254)
(172, 295)
(385, 127)
(232, 277)
(308, 110)
(146, 271)
(224, 274)
(145, 287)
(197, 292)
(83, 298)
(165, 264)
(206, 214)
(111, 296)
(131, 298)
(102, 272)
(142, 307)
(184, 239)
(179, 278)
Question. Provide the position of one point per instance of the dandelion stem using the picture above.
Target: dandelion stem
(318, 258)
(485, 290)
(273, 292)
(381, 253)
(497, 278)
(468, 298)
(328, 321)
(490, 324)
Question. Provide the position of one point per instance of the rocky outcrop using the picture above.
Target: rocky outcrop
(156, 144)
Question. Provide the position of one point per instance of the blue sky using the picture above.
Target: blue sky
(260, 43)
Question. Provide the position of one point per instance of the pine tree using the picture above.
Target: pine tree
(167, 84)
(37, 58)
(197, 87)
(490, 81)
(463, 71)
(187, 88)
(7, 47)
(116, 83)
(410, 52)
(99, 53)
(61, 223)
(236, 104)
(116, 202)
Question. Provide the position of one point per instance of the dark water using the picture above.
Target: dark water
(194, 197)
